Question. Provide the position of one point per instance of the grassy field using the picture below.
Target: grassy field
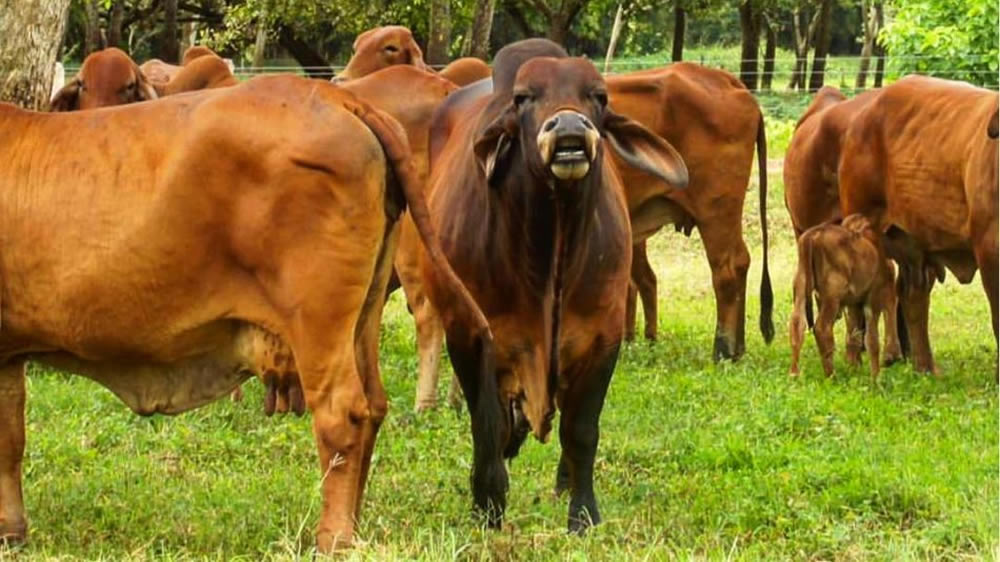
(697, 461)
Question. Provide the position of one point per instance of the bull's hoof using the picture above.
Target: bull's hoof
(562, 478)
(329, 542)
(424, 406)
(630, 336)
(650, 335)
(726, 349)
(892, 357)
(237, 394)
(583, 520)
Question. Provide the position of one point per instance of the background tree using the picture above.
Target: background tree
(439, 32)
(30, 34)
(869, 29)
(822, 47)
(170, 41)
(478, 44)
(680, 21)
(956, 39)
(750, 24)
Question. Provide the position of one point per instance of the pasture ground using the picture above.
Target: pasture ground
(697, 461)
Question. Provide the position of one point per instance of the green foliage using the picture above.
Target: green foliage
(956, 39)
(696, 461)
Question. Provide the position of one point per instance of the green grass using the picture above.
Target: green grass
(697, 461)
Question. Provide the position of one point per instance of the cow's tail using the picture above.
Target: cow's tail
(392, 137)
(766, 294)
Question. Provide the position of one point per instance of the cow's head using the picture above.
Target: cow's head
(108, 77)
(558, 115)
(378, 48)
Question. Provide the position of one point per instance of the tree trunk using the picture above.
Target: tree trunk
(868, 23)
(680, 20)
(561, 21)
(770, 48)
(479, 33)
(879, 49)
(30, 33)
(749, 44)
(311, 61)
(823, 33)
(439, 33)
(92, 27)
(260, 41)
(170, 46)
(115, 23)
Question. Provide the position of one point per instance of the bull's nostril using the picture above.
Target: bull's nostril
(551, 124)
(587, 124)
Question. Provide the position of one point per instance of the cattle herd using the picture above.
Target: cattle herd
(223, 230)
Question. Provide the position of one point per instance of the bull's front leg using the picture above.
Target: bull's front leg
(579, 433)
(13, 525)
(490, 429)
(729, 259)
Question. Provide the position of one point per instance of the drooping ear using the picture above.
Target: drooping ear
(492, 145)
(643, 150)
(415, 56)
(144, 88)
(67, 98)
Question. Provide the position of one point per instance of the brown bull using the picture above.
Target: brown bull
(202, 73)
(232, 238)
(845, 266)
(920, 161)
(811, 189)
(532, 215)
(714, 122)
(106, 78)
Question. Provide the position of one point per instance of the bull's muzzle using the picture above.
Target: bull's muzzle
(567, 144)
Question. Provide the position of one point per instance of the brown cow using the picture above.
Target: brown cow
(920, 163)
(108, 77)
(532, 215)
(714, 122)
(465, 71)
(202, 73)
(189, 225)
(845, 266)
(159, 72)
(380, 47)
(810, 174)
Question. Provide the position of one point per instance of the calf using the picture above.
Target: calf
(920, 161)
(845, 266)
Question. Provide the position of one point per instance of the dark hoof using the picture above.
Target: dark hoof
(726, 350)
(583, 520)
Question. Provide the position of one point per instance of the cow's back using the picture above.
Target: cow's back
(906, 158)
(221, 183)
(810, 165)
(706, 114)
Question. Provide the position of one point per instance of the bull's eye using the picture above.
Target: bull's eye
(391, 49)
(602, 98)
(520, 99)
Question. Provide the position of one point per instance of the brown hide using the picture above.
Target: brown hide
(714, 122)
(810, 166)
(919, 162)
(106, 78)
(846, 268)
(202, 73)
(234, 239)
(465, 71)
